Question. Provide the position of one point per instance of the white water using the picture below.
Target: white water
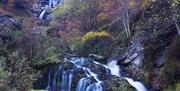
(95, 86)
(83, 83)
(138, 85)
(91, 74)
(115, 70)
(42, 14)
(51, 4)
(67, 80)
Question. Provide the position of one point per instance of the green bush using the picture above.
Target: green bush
(48, 50)
(171, 70)
(99, 43)
(21, 74)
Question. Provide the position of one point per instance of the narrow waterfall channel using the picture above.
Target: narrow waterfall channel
(86, 83)
(50, 4)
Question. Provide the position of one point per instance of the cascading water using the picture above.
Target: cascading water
(138, 85)
(83, 84)
(115, 70)
(47, 7)
(98, 86)
(42, 14)
(62, 80)
(66, 81)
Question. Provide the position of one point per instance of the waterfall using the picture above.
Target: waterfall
(83, 83)
(51, 4)
(62, 79)
(98, 86)
(136, 84)
(49, 81)
(95, 86)
(66, 81)
(42, 14)
(115, 70)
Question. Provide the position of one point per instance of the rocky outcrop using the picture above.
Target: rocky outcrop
(98, 58)
(117, 84)
(135, 52)
(147, 51)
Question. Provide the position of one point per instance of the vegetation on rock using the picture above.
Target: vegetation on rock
(143, 33)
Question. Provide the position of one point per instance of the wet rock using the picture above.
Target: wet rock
(68, 65)
(113, 83)
(127, 61)
(77, 75)
(135, 52)
(98, 69)
(81, 61)
(115, 57)
(98, 58)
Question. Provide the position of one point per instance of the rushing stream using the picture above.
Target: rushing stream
(86, 83)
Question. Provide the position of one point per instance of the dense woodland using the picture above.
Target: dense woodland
(144, 35)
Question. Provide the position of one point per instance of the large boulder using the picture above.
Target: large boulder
(134, 54)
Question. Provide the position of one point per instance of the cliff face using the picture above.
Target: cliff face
(146, 57)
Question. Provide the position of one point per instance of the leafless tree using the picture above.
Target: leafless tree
(127, 11)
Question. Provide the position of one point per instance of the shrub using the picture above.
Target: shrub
(99, 43)
(4, 76)
(91, 35)
(21, 74)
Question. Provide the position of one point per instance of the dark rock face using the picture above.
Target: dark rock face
(135, 52)
(98, 58)
(147, 49)
(145, 56)
(115, 57)
(117, 84)
(98, 69)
